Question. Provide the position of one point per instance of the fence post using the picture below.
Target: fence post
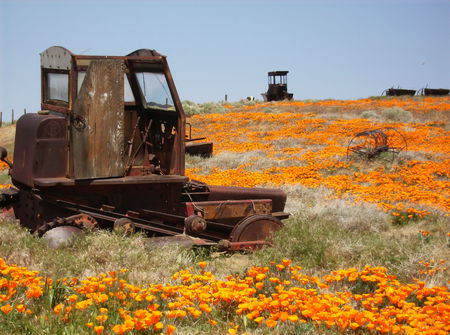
(24, 111)
(1, 119)
(226, 97)
(12, 116)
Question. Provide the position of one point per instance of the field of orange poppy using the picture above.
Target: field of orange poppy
(306, 143)
(284, 144)
(278, 296)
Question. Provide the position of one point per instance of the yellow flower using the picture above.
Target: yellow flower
(170, 329)
(6, 308)
(21, 308)
(202, 264)
(98, 329)
(102, 318)
(271, 323)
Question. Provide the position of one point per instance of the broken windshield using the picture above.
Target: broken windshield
(155, 90)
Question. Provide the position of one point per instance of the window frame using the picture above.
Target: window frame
(45, 90)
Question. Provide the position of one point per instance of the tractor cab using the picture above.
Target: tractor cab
(277, 90)
(122, 113)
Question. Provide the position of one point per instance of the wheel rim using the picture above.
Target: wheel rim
(255, 228)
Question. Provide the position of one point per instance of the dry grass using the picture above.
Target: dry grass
(7, 134)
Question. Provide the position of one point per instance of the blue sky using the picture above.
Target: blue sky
(333, 49)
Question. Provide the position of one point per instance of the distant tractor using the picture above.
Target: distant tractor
(434, 91)
(395, 92)
(277, 89)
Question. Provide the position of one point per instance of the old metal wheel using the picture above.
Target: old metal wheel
(124, 225)
(62, 236)
(255, 228)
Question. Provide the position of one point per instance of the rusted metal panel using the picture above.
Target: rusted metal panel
(132, 180)
(97, 142)
(255, 228)
(277, 196)
(178, 149)
(40, 148)
(56, 58)
(204, 149)
(213, 210)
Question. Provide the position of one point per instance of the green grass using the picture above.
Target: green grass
(321, 235)
(5, 178)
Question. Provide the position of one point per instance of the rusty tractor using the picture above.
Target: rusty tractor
(107, 149)
(277, 90)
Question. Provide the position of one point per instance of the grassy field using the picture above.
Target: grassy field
(365, 250)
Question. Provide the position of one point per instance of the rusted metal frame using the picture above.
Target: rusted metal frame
(130, 58)
(247, 245)
(112, 216)
(174, 218)
(44, 79)
(179, 145)
(380, 141)
(233, 208)
(130, 143)
(149, 225)
(139, 105)
(190, 139)
(181, 218)
(143, 141)
(43, 88)
(73, 84)
(280, 215)
(195, 139)
(205, 234)
(190, 130)
(134, 85)
(55, 108)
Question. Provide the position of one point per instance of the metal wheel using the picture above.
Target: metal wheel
(62, 236)
(124, 225)
(383, 143)
(80, 221)
(255, 228)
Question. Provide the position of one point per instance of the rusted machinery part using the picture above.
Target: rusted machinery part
(194, 224)
(396, 139)
(195, 186)
(203, 149)
(398, 92)
(8, 196)
(435, 91)
(226, 245)
(185, 241)
(61, 236)
(124, 225)
(278, 197)
(253, 231)
(370, 144)
(80, 221)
